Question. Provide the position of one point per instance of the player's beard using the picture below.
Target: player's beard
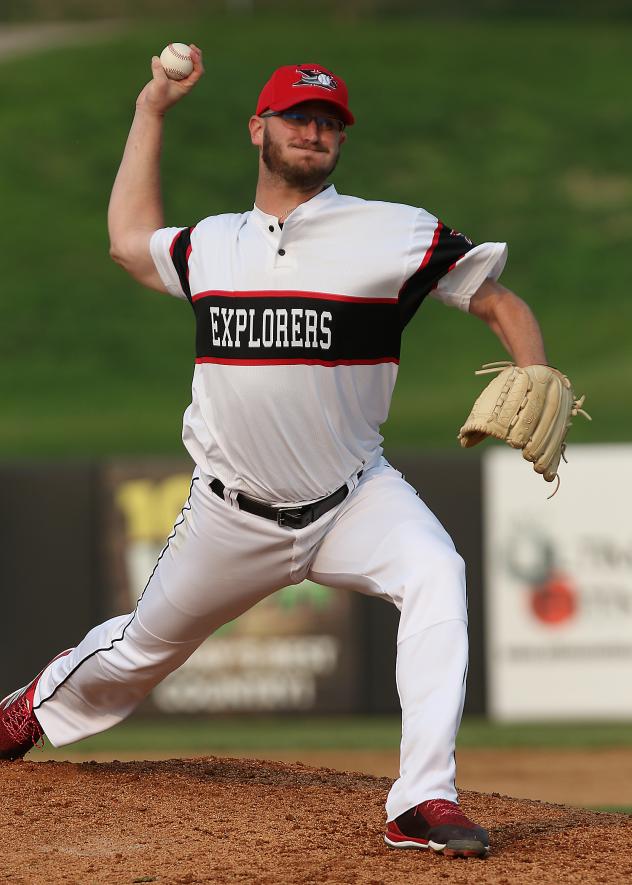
(298, 176)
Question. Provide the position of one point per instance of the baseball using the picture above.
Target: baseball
(176, 60)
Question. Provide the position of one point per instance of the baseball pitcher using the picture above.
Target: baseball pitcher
(299, 306)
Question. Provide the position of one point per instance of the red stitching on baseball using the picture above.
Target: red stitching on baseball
(179, 54)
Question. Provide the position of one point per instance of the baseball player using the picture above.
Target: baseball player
(299, 305)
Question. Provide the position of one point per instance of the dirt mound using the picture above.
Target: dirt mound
(225, 820)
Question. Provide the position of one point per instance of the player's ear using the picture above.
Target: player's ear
(256, 126)
(342, 138)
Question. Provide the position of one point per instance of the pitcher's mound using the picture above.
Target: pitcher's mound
(229, 820)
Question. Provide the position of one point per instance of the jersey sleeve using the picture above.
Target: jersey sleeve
(446, 264)
(170, 249)
(481, 263)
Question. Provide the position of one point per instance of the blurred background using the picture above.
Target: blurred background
(509, 123)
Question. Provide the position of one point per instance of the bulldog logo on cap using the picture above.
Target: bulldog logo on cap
(314, 77)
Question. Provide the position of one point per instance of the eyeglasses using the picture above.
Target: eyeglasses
(299, 120)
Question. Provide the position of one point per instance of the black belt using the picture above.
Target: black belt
(290, 517)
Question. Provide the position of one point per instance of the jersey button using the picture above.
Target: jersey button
(271, 228)
(281, 251)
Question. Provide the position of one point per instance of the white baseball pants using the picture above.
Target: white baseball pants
(219, 561)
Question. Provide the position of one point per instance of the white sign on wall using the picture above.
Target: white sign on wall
(558, 586)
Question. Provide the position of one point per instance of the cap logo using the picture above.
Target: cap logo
(314, 77)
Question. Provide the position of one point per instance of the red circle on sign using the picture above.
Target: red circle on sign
(554, 601)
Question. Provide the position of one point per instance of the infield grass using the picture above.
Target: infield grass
(613, 809)
(201, 735)
(516, 131)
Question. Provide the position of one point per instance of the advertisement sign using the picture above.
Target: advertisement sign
(294, 651)
(558, 586)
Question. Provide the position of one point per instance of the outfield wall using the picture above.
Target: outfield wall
(80, 540)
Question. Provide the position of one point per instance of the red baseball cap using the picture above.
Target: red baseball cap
(293, 84)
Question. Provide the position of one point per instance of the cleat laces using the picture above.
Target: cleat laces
(441, 809)
(21, 724)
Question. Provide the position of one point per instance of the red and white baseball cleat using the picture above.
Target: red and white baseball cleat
(441, 825)
(19, 728)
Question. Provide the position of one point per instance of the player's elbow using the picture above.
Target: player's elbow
(121, 245)
(117, 253)
(126, 253)
(129, 264)
(138, 263)
(126, 259)
(490, 299)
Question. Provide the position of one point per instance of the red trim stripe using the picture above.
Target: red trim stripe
(295, 362)
(452, 266)
(189, 250)
(292, 293)
(175, 240)
(428, 255)
(177, 237)
(433, 245)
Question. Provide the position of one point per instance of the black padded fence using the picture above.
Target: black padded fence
(78, 540)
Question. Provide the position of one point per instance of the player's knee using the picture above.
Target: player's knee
(453, 564)
(436, 590)
(444, 567)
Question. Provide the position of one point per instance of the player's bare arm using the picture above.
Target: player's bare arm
(135, 209)
(530, 405)
(512, 320)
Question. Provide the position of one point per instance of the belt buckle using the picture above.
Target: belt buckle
(292, 517)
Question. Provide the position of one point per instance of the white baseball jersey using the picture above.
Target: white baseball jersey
(298, 332)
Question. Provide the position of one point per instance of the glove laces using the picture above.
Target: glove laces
(489, 368)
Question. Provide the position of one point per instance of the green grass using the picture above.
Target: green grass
(516, 132)
(613, 809)
(199, 736)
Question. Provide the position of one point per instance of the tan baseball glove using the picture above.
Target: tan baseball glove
(529, 408)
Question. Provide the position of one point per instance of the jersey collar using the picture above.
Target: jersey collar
(305, 210)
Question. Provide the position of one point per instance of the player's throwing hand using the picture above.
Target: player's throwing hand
(161, 93)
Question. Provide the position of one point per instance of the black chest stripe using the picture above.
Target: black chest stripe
(447, 247)
(273, 328)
